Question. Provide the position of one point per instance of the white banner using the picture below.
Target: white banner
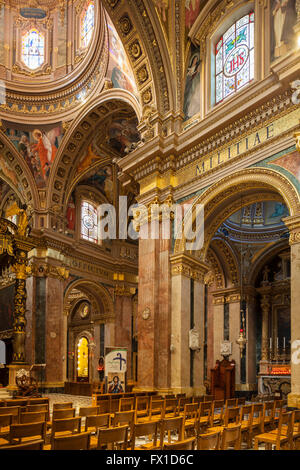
(116, 361)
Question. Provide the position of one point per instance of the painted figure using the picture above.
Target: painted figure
(284, 18)
(115, 386)
(192, 88)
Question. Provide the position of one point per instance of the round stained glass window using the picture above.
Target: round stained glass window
(88, 222)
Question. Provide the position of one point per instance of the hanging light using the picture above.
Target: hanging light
(242, 340)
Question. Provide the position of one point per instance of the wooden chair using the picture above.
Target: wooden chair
(241, 401)
(126, 404)
(25, 431)
(170, 425)
(117, 438)
(88, 411)
(65, 426)
(122, 418)
(296, 430)
(142, 407)
(246, 421)
(63, 414)
(279, 438)
(38, 401)
(198, 399)
(114, 405)
(148, 430)
(38, 407)
(34, 445)
(208, 397)
(209, 441)
(94, 422)
(33, 417)
(157, 410)
(62, 406)
(11, 410)
(5, 422)
(231, 402)
(278, 407)
(268, 416)
(104, 406)
(217, 412)
(187, 444)
(205, 411)
(74, 442)
(231, 415)
(190, 419)
(231, 437)
(182, 402)
(16, 402)
(171, 407)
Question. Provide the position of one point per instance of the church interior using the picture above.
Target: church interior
(149, 224)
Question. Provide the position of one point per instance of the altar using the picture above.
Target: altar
(277, 380)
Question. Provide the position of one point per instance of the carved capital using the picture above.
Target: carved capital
(188, 266)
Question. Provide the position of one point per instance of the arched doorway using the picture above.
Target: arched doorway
(227, 294)
(82, 356)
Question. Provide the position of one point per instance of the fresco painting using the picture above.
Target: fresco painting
(102, 180)
(192, 9)
(290, 162)
(38, 147)
(122, 134)
(119, 69)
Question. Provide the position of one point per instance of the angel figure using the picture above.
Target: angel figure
(14, 209)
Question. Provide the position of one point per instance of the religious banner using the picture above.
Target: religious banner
(115, 370)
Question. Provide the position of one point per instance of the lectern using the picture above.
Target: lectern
(223, 380)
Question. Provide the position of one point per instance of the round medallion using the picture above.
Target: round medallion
(85, 310)
(88, 222)
(236, 60)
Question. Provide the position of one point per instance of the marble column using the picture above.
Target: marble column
(199, 306)
(55, 334)
(185, 267)
(265, 303)
(123, 313)
(234, 331)
(218, 328)
(293, 223)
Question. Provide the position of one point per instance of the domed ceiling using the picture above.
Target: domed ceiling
(256, 223)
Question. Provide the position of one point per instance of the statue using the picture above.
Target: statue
(22, 224)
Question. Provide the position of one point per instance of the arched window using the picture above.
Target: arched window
(87, 24)
(89, 222)
(33, 48)
(234, 58)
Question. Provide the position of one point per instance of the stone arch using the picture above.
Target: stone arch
(15, 172)
(242, 187)
(97, 294)
(79, 136)
(266, 255)
(143, 40)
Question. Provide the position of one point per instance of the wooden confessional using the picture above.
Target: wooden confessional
(223, 380)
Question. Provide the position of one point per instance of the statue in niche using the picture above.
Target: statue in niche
(284, 17)
(279, 275)
(266, 275)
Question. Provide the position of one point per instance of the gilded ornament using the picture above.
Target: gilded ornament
(135, 50)
(125, 25)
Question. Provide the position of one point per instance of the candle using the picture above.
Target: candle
(270, 343)
(284, 342)
(277, 342)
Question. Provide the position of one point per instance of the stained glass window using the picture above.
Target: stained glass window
(33, 48)
(234, 66)
(87, 24)
(89, 222)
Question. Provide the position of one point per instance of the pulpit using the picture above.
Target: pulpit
(223, 380)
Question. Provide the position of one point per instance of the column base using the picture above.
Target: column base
(293, 400)
(13, 370)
